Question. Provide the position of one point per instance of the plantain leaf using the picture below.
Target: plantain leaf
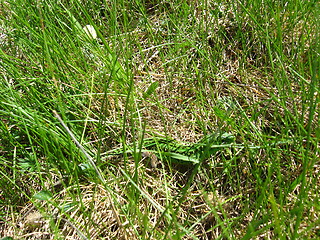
(43, 195)
(182, 158)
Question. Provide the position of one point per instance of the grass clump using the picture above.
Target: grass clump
(171, 120)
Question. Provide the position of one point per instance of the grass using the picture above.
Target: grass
(223, 94)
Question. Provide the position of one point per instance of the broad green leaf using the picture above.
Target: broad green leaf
(182, 158)
(43, 195)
